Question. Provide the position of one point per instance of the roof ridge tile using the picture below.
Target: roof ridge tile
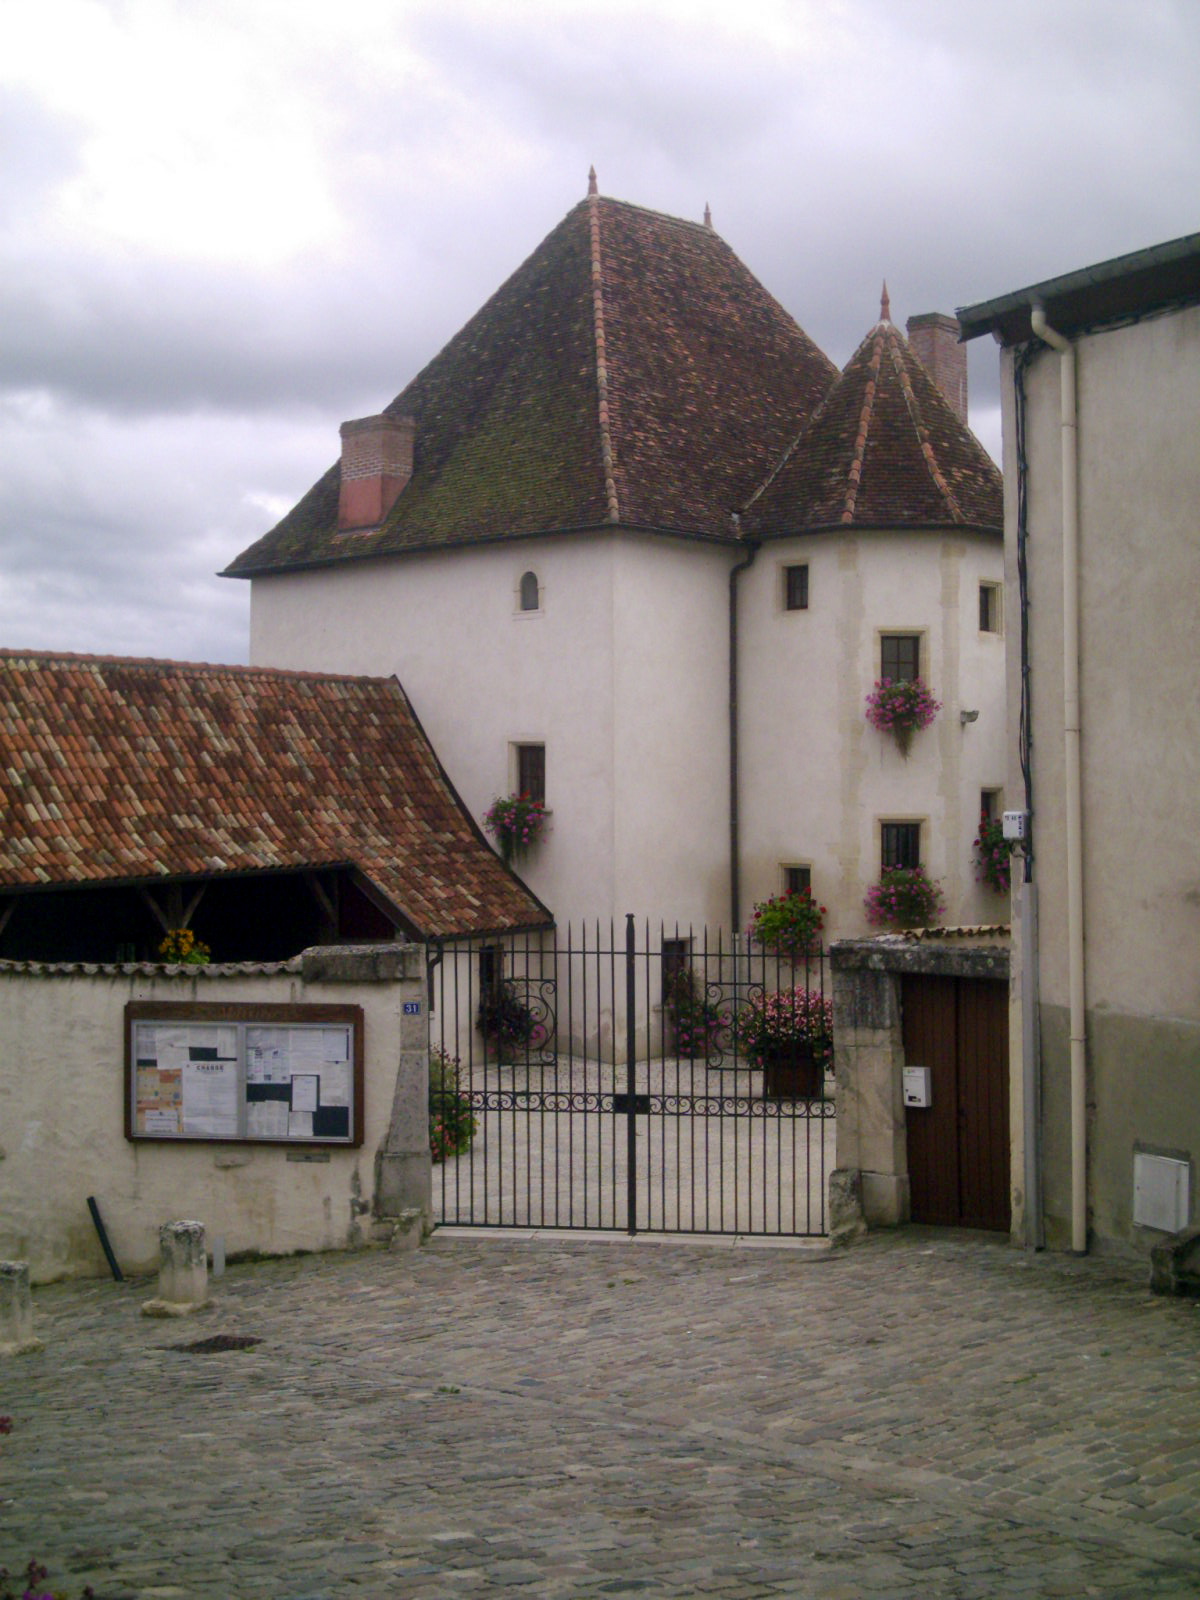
(927, 450)
(606, 445)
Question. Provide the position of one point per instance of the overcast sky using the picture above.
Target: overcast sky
(227, 226)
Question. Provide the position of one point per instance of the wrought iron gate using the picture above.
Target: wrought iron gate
(667, 1084)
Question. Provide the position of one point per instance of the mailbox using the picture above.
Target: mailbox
(916, 1086)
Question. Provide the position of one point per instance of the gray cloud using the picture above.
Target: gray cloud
(161, 403)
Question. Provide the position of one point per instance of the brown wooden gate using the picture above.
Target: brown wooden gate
(958, 1146)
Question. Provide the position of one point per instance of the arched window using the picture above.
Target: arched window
(529, 592)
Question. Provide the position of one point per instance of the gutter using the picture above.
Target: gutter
(1069, 430)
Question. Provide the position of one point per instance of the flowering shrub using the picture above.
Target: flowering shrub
(505, 1019)
(514, 821)
(992, 853)
(451, 1123)
(790, 924)
(904, 897)
(182, 947)
(694, 1018)
(789, 1020)
(901, 709)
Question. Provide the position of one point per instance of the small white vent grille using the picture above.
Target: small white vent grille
(1161, 1193)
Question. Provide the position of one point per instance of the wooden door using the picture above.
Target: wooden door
(958, 1146)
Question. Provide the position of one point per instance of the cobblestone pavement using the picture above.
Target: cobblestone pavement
(927, 1414)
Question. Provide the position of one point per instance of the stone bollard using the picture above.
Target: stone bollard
(182, 1271)
(16, 1310)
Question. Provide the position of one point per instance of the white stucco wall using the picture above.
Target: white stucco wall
(623, 675)
(62, 1102)
(1139, 490)
(1139, 574)
(620, 674)
(481, 675)
(817, 779)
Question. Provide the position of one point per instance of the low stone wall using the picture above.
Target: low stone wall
(62, 1118)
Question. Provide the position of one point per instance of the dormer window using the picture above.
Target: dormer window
(529, 593)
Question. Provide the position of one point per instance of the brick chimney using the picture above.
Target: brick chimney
(377, 461)
(934, 340)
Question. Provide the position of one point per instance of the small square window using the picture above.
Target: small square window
(797, 879)
(900, 844)
(990, 803)
(531, 771)
(989, 608)
(900, 657)
(795, 588)
(676, 957)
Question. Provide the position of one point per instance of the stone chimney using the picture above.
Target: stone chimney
(934, 340)
(377, 461)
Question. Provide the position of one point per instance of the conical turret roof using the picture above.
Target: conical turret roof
(884, 450)
(631, 373)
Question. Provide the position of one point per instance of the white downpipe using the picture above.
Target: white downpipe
(1071, 723)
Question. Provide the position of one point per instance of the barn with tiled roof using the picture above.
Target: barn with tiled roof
(266, 810)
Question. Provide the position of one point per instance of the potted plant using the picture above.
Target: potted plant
(789, 924)
(789, 1034)
(992, 854)
(510, 1025)
(904, 897)
(694, 1019)
(452, 1124)
(901, 709)
(182, 948)
(514, 821)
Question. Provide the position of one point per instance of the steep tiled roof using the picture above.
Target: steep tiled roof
(631, 372)
(116, 770)
(885, 449)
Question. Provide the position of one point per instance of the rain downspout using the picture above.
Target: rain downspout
(1071, 728)
(735, 872)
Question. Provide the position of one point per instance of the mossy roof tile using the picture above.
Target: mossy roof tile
(625, 328)
(884, 450)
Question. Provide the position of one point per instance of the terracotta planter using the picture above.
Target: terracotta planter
(794, 1072)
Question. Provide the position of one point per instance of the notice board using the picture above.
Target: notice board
(256, 1074)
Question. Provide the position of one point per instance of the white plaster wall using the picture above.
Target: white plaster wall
(817, 779)
(671, 753)
(62, 1102)
(482, 675)
(1139, 468)
(621, 674)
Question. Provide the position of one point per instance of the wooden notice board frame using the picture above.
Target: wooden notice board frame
(242, 1073)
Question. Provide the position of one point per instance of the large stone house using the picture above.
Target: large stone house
(631, 540)
(1101, 389)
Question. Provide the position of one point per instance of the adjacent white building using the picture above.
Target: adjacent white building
(1101, 387)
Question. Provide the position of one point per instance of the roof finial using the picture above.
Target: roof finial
(885, 305)
(707, 215)
(592, 189)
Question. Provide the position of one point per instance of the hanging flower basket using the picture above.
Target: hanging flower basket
(993, 852)
(904, 897)
(514, 821)
(789, 924)
(901, 709)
